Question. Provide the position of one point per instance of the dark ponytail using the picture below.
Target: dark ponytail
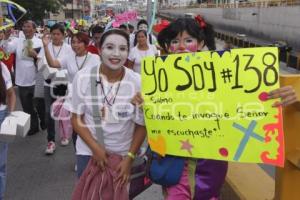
(209, 37)
(2, 88)
(163, 39)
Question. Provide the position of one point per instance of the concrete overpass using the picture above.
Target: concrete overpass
(267, 23)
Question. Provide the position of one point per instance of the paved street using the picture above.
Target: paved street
(34, 176)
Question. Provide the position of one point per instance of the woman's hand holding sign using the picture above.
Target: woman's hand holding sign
(287, 94)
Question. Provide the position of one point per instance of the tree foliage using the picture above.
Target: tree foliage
(36, 9)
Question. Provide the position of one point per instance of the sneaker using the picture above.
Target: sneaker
(50, 148)
(64, 142)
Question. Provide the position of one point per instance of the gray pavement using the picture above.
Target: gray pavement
(34, 176)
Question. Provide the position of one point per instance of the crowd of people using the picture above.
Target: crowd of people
(103, 86)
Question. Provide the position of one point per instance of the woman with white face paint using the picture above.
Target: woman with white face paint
(122, 125)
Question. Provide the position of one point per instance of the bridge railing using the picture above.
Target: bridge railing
(291, 58)
(244, 4)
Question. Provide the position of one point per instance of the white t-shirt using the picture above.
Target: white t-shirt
(68, 40)
(136, 55)
(73, 64)
(117, 136)
(21, 34)
(25, 68)
(7, 79)
(57, 52)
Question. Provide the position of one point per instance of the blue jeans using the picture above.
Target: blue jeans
(82, 161)
(3, 159)
(49, 120)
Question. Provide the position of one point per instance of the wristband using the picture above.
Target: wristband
(131, 155)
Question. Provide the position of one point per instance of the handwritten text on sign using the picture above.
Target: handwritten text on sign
(214, 105)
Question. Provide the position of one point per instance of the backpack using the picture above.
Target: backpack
(165, 171)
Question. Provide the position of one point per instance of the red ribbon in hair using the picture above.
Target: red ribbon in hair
(200, 21)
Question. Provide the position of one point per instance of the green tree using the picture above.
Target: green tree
(36, 8)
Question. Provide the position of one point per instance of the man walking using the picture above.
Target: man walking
(26, 50)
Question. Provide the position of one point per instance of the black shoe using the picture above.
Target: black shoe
(32, 132)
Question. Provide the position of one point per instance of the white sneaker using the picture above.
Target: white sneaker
(64, 142)
(50, 148)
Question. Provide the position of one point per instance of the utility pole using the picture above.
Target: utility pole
(1, 15)
(83, 10)
(149, 11)
(72, 9)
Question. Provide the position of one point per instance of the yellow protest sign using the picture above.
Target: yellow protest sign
(214, 105)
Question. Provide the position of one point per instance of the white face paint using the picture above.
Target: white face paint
(143, 27)
(114, 51)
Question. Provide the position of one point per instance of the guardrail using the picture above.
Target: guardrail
(244, 4)
(292, 59)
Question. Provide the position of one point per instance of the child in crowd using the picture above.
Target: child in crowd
(182, 36)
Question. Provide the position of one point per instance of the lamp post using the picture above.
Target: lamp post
(149, 11)
(1, 15)
(83, 9)
(72, 2)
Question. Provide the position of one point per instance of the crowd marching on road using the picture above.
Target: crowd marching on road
(76, 78)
